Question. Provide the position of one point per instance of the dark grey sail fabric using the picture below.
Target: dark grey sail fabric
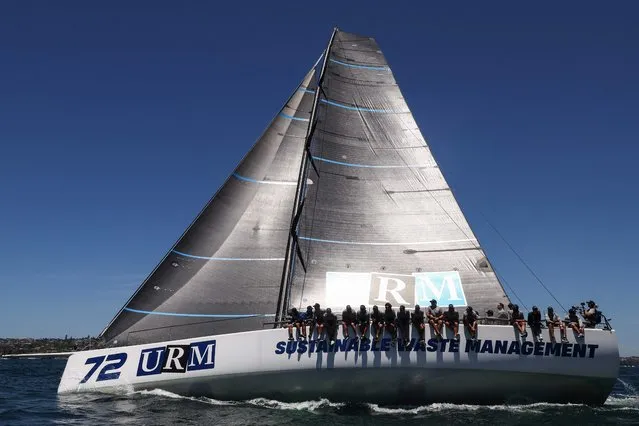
(380, 224)
(224, 273)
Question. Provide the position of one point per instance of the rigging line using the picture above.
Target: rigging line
(523, 261)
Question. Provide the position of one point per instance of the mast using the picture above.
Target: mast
(292, 245)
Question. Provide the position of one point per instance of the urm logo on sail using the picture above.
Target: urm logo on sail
(177, 358)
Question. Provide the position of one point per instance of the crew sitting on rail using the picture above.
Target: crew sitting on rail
(389, 321)
(574, 322)
(434, 315)
(348, 321)
(377, 323)
(592, 316)
(534, 321)
(517, 320)
(552, 321)
(470, 321)
(403, 324)
(363, 319)
(451, 320)
(293, 320)
(308, 321)
(330, 320)
(318, 321)
(417, 318)
(501, 313)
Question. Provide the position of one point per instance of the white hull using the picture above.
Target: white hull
(265, 364)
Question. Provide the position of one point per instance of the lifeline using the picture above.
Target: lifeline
(506, 347)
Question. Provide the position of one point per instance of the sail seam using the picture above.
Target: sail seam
(290, 117)
(177, 314)
(372, 166)
(366, 67)
(320, 240)
(229, 258)
(267, 182)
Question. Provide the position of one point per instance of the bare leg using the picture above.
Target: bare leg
(551, 331)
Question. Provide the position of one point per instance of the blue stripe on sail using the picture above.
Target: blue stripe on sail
(366, 67)
(176, 314)
(266, 182)
(305, 90)
(290, 117)
(227, 258)
(409, 243)
(352, 108)
(370, 166)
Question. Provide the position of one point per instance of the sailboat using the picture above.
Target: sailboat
(339, 202)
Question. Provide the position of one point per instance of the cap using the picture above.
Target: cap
(534, 308)
(469, 308)
(433, 301)
(388, 305)
(451, 305)
(362, 307)
(317, 305)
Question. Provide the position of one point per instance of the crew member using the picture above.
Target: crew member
(293, 321)
(470, 321)
(552, 321)
(451, 320)
(534, 321)
(591, 315)
(417, 318)
(307, 320)
(574, 322)
(363, 319)
(318, 319)
(377, 323)
(434, 315)
(389, 321)
(517, 320)
(501, 313)
(403, 323)
(348, 321)
(330, 320)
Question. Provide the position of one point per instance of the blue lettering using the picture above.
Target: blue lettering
(526, 348)
(119, 362)
(579, 351)
(385, 345)
(473, 345)
(442, 345)
(514, 348)
(311, 348)
(302, 347)
(539, 348)
(374, 346)
(352, 345)
(341, 345)
(291, 347)
(322, 346)
(280, 347)
(591, 350)
(364, 346)
(202, 356)
(487, 347)
(566, 350)
(151, 361)
(454, 346)
(432, 345)
(501, 346)
(96, 361)
(553, 348)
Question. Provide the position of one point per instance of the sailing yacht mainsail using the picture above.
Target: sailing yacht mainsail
(381, 224)
(377, 221)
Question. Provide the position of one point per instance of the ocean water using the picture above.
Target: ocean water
(28, 397)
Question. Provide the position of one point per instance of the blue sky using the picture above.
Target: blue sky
(119, 120)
